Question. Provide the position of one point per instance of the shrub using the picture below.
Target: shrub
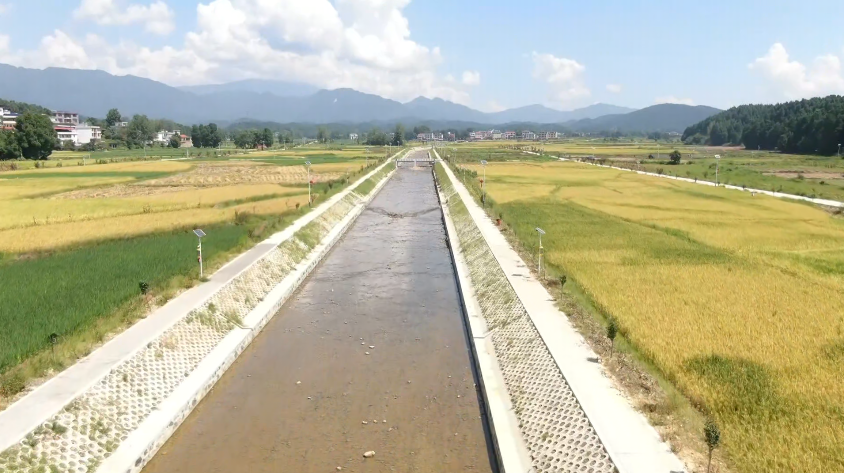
(144, 287)
(612, 332)
(712, 437)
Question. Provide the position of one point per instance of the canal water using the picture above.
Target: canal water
(370, 355)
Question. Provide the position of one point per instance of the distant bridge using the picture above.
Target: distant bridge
(416, 160)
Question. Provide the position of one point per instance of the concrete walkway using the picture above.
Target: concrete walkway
(48, 399)
(632, 443)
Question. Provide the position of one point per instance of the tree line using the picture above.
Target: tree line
(33, 138)
(813, 126)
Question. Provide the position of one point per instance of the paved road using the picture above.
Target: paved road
(297, 399)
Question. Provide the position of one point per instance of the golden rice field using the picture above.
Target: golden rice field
(737, 299)
(43, 209)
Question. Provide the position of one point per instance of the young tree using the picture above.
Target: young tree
(36, 138)
(322, 134)
(563, 280)
(245, 139)
(612, 332)
(712, 436)
(113, 117)
(175, 141)
(267, 138)
(139, 132)
(9, 148)
(675, 157)
(213, 136)
(398, 136)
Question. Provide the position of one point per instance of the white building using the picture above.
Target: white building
(164, 136)
(87, 133)
(528, 135)
(9, 118)
(65, 118)
(548, 135)
(67, 133)
(353, 136)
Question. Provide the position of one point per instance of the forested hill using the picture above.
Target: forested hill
(805, 126)
(22, 107)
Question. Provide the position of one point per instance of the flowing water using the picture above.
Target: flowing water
(370, 354)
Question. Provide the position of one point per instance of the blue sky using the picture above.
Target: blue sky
(562, 54)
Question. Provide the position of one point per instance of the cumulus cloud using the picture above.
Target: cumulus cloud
(673, 99)
(360, 44)
(614, 88)
(471, 78)
(794, 80)
(492, 106)
(156, 17)
(563, 76)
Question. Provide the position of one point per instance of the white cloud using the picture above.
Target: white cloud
(4, 7)
(563, 76)
(614, 88)
(471, 78)
(793, 80)
(157, 17)
(360, 44)
(673, 99)
(492, 106)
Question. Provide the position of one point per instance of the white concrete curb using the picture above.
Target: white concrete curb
(136, 451)
(511, 453)
(631, 442)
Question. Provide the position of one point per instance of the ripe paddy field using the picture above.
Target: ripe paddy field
(735, 299)
(76, 242)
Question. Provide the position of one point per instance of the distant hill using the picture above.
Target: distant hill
(542, 114)
(258, 86)
(93, 93)
(805, 126)
(664, 117)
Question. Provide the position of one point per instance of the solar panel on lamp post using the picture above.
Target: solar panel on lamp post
(199, 233)
(539, 265)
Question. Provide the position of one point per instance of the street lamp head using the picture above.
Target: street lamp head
(540, 231)
(717, 156)
(307, 163)
(483, 162)
(199, 233)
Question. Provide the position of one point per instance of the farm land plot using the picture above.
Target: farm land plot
(736, 299)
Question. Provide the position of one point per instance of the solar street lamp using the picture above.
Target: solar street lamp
(199, 233)
(839, 150)
(539, 265)
(308, 165)
(717, 159)
(483, 183)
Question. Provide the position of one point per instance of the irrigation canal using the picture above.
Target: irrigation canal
(370, 354)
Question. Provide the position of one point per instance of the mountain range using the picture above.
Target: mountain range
(92, 93)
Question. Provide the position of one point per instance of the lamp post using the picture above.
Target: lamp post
(717, 159)
(483, 183)
(839, 150)
(539, 264)
(199, 233)
(308, 165)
